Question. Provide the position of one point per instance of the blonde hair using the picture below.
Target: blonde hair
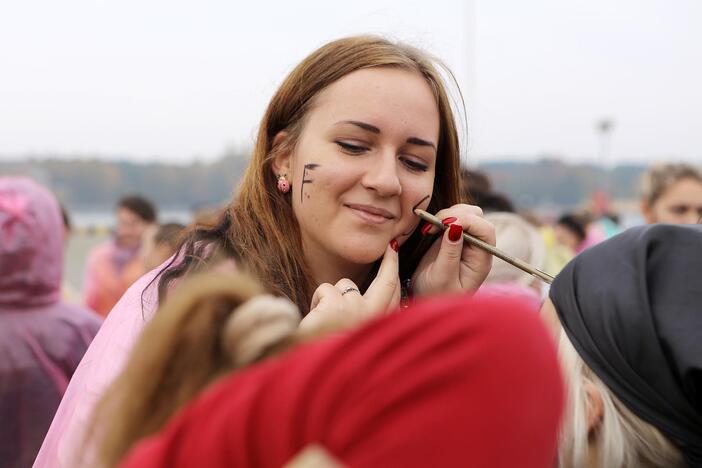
(520, 239)
(622, 439)
(661, 177)
(213, 324)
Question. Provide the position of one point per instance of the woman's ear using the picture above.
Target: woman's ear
(282, 155)
(647, 212)
(595, 406)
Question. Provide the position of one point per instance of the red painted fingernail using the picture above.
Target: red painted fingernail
(395, 246)
(455, 232)
(426, 228)
(449, 220)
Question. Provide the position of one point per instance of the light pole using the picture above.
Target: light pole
(604, 128)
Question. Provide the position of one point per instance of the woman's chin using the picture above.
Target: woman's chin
(364, 255)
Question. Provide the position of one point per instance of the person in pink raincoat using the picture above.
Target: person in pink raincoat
(42, 338)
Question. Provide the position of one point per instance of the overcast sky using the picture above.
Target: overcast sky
(178, 80)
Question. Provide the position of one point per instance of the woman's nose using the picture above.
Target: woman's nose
(382, 175)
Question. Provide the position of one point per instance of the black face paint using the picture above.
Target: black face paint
(305, 180)
(414, 208)
(419, 203)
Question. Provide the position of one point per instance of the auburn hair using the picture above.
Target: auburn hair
(258, 228)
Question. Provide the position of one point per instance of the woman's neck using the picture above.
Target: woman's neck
(328, 268)
(326, 274)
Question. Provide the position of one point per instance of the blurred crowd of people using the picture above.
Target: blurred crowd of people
(303, 325)
(670, 194)
(47, 336)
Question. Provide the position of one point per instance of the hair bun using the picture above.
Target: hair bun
(256, 325)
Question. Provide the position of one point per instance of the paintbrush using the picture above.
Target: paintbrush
(522, 265)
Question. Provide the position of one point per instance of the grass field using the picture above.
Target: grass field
(77, 250)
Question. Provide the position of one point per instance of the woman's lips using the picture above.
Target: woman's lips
(371, 214)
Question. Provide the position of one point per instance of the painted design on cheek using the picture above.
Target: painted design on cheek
(414, 208)
(420, 202)
(305, 180)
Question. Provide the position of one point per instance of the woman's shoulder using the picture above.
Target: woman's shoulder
(101, 363)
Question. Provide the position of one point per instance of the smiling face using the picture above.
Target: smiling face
(364, 159)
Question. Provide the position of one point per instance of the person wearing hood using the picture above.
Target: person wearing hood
(42, 338)
(324, 214)
(626, 314)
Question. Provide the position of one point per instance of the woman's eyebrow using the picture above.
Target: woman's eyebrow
(420, 142)
(365, 126)
(373, 129)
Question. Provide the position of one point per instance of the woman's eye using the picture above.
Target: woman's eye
(350, 148)
(679, 209)
(414, 165)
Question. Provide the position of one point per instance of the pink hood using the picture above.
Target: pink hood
(31, 244)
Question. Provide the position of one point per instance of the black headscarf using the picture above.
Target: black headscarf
(632, 307)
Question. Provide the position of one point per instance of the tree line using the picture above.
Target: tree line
(97, 184)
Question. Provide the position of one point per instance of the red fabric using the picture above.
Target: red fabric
(451, 382)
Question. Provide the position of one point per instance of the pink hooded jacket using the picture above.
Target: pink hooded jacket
(64, 445)
(102, 362)
(42, 338)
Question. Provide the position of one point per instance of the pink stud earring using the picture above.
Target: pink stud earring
(283, 184)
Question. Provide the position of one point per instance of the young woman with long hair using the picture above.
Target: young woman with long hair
(357, 136)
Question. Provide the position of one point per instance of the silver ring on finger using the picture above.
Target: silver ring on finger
(350, 289)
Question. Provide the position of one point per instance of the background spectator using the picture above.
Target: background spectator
(42, 338)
